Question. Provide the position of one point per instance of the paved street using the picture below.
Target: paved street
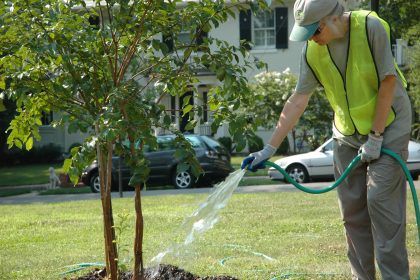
(281, 187)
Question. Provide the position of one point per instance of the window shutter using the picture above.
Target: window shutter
(245, 25)
(200, 37)
(167, 39)
(94, 21)
(281, 28)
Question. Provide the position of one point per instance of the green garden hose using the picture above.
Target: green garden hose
(344, 175)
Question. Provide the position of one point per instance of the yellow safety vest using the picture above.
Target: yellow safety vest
(353, 100)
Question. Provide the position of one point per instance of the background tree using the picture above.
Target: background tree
(270, 91)
(97, 66)
(403, 18)
(400, 14)
(6, 115)
(413, 76)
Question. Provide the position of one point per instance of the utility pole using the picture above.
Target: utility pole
(374, 5)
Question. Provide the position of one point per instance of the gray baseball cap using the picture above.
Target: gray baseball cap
(307, 15)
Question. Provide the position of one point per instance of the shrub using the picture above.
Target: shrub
(256, 144)
(50, 153)
(47, 154)
(226, 141)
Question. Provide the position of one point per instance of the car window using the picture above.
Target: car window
(194, 141)
(211, 142)
(329, 146)
(166, 143)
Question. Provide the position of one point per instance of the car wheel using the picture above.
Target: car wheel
(298, 173)
(95, 183)
(183, 180)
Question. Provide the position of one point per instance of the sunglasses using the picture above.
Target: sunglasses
(317, 31)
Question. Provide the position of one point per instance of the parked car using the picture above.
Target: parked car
(318, 164)
(212, 156)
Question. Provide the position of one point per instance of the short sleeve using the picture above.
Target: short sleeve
(381, 48)
(307, 82)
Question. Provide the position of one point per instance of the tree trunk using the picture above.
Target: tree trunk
(138, 272)
(109, 232)
(138, 241)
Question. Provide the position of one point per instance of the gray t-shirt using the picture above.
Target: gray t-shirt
(384, 60)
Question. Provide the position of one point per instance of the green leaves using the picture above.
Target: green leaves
(2, 86)
(81, 157)
(185, 156)
(101, 76)
(29, 143)
(2, 107)
(139, 169)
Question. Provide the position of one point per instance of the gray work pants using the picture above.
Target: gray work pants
(372, 201)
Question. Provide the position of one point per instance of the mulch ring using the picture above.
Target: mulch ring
(165, 272)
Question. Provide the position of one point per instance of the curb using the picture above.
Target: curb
(31, 187)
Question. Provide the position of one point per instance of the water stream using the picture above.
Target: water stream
(206, 216)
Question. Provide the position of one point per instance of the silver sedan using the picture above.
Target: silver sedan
(318, 164)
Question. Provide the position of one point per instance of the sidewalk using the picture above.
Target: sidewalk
(36, 187)
(41, 187)
(281, 187)
(34, 197)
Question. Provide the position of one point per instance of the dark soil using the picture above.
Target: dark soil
(165, 272)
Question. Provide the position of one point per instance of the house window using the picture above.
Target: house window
(264, 30)
(46, 118)
(184, 37)
(267, 29)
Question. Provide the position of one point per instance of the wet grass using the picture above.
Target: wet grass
(302, 233)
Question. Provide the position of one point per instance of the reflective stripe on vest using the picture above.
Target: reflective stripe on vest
(353, 101)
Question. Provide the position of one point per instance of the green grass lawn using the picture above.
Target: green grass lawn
(237, 161)
(26, 174)
(302, 233)
(12, 192)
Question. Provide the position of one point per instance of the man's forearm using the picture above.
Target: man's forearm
(294, 108)
(384, 103)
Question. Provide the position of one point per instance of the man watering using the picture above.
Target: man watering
(349, 54)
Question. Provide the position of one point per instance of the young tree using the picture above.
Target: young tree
(270, 91)
(96, 62)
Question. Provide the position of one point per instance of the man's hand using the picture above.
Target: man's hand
(371, 150)
(256, 160)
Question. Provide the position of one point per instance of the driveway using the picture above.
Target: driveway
(35, 198)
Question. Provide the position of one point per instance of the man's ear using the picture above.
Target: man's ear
(335, 18)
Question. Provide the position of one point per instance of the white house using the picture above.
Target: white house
(268, 31)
